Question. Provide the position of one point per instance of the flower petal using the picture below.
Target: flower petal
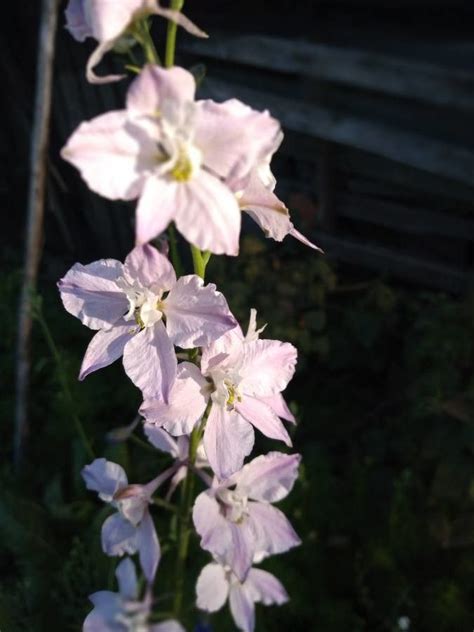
(265, 587)
(126, 575)
(233, 137)
(105, 347)
(76, 22)
(263, 418)
(187, 402)
(94, 60)
(156, 208)
(297, 235)
(149, 267)
(155, 85)
(268, 478)
(90, 293)
(242, 607)
(273, 532)
(161, 439)
(109, 18)
(148, 547)
(212, 588)
(266, 209)
(211, 525)
(240, 554)
(150, 361)
(119, 537)
(104, 477)
(167, 626)
(279, 406)
(267, 367)
(113, 156)
(228, 439)
(196, 314)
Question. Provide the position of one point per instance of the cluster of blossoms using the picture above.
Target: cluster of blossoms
(197, 164)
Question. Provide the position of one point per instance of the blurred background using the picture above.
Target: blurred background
(376, 100)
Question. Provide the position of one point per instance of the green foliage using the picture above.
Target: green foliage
(384, 396)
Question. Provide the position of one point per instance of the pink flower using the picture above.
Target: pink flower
(118, 612)
(131, 528)
(128, 303)
(216, 584)
(108, 21)
(235, 519)
(243, 378)
(175, 155)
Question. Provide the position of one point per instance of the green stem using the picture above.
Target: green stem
(176, 5)
(198, 262)
(175, 258)
(62, 376)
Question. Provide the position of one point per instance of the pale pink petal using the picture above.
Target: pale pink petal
(268, 478)
(148, 547)
(266, 209)
(297, 235)
(76, 22)
(233, 137)
(156, 209)
(240, 554)
(91, 294)
(242, 607)
(113, 156)
(119, 537)
(94, 60)
(196, 315)
(267, 367)
(104, 477)
(212, 588)
(110, 18)
(176, 16)
(150, 361)
(161, 439)
(265, 588)
(187, 402)
(228, 439)
(223, 352)
(279, 406)
(263, 418)
(106, 347)
(272, 531)
(149, 267)
(155, 85)
(127, 579)
(211, 525)
(207, 214)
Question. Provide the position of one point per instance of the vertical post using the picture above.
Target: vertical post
(35, 214)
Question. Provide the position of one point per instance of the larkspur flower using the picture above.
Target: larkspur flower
(128, 303)
(235, 518)
(110, 22)
(125, 611)
(130, 529)
(243, 378)
(216, 584)
(196, 163)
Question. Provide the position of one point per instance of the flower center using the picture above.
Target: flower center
(226, 392)
(145, 306)
(186, 163)
(233, 505)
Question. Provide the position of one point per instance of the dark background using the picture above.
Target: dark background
(377, 167)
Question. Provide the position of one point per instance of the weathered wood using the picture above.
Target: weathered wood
(343, 127)
(367, 69)
(384, 260)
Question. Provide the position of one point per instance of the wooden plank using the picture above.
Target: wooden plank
(404, 218)
(384, 260)
(409, 148)
(445, 86)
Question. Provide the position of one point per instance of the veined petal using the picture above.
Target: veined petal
(127, 579)
(265, 208)
(148, 547)
(268, 478)
(279, 406)
(228, 439)
(267, 367)
(265, 587)
(304, 240)
(109, 18)
(212, 588)
(90, 293)
(119, 537)
(150, 268)
(104, 477)
(233, 137)
(155, 85)
(214, 529)
(106, 347)
(150, 361)
(225, 351)
(113, 156)
(196, 314)
(156, 208)
(273, 531)
(161, 439)
(242, 607)
(240, 554)
(263, 418)
(187, 402)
